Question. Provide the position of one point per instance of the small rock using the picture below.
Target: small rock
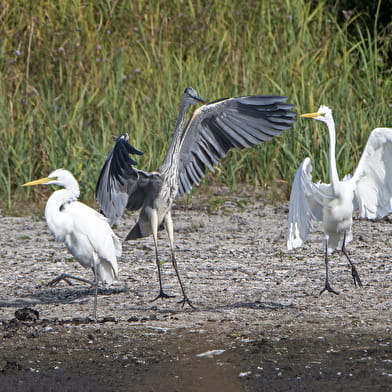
(108, 319)
(27, 314)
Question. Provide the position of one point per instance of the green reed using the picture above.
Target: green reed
(74, 74)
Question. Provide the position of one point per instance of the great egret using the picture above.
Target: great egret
(86, 233)
(212, 130)
(369, 189)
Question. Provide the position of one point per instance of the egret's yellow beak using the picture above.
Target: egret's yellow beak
(311, 115)
(40, 181)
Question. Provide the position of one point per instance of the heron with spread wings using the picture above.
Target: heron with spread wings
(210, 133)
(369, 190)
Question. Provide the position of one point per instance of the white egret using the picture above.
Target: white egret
(86, 233)
(369, 189)
(197, 145)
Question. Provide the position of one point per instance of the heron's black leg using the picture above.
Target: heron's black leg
(354, 271)
(154, 226)
(66, 278)
(327, 286)
(170, 232)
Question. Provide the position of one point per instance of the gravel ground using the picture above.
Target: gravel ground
(260, 322)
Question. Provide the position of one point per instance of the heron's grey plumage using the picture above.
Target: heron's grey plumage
(210, 133)
(217, 127)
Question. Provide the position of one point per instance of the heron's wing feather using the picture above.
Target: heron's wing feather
(306, 204)
(122, 186)
(217, 127)
(373, 176)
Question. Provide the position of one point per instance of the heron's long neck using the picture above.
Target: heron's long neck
(333, 172)
(170, 163)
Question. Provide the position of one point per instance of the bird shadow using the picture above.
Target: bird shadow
(257, 305)
(59, 295)
(269, 305)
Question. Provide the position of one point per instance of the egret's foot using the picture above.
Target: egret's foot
(55, 281)
(66, 278)
(328, 288)
(162, 295)
(355, 276)
(188, 301)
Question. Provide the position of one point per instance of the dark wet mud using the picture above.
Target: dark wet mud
(260, 323)
(75, 356)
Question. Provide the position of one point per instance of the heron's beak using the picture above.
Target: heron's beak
(311, 115)
(40, 181)
(201, 100)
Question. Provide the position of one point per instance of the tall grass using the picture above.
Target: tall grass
(73, 74)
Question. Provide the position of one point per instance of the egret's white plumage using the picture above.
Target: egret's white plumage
(86, 233)
(369, 190)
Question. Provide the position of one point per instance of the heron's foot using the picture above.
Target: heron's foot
(162, 295)
(355, 276)
(328, 287)
(188, 301)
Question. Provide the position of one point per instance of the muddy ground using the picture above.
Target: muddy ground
(260, 323)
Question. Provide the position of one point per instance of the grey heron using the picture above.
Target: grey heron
(86, 233)
(210, 133)
(369, 190)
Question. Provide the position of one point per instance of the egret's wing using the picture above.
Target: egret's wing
(96, 227)
(90, 233)
(348, 177)
(373, 176)
(306, 204)
(228, 123)
(122, 186)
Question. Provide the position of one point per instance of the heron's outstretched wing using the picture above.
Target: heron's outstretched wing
(306, 204)
(373, 176)
(122, 186)
(228, 123)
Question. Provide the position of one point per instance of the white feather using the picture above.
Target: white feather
(86, 233)
(369, 189)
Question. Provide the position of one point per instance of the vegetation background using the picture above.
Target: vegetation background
(75, 73)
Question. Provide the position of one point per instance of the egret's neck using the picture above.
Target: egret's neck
(54, 212)
(73, 189)
(333, 172)
(60, 198)
(64, 196)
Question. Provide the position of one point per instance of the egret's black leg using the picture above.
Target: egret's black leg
(170, 232)
(154, 226)
(96, 290)
(354, 271)
(327, 286)
(66, 278)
